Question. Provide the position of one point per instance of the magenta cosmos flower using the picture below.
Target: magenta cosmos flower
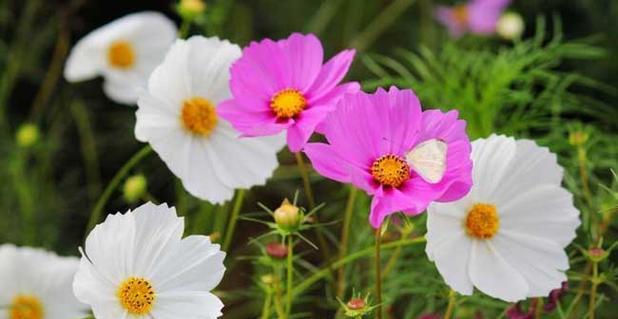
(476, 16)
(386, 145)
(283, 85)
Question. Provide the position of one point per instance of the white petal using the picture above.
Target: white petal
(491, 158)
(492, 275)
(187, 305)
(170, 81)
(532, 165)
(545, 211)
(194, 265)
(540, 261)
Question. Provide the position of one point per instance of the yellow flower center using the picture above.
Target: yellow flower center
(288, 103)
(460, 14)
(482, 221)
(136, 295)
(390, 170)
(121, 55)
(26, 307)
(199, 116)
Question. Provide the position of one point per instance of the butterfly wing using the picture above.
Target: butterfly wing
(428, 159)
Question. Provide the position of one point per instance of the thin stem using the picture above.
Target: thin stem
(345, 235)
(95, 215)
(452, 299)
(583, 173)
(278, 303)
(302, 168)
(231, 226)
(184, 28)
(593, 290)
(538, 310)
(266, 307)
(325, 271)
(290, 276)
(378, 266)
(365, 38)
(390, 264)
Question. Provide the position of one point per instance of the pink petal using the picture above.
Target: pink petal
(331, 74)
(303, 55)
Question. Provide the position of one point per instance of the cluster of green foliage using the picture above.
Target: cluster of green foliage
(537, 87)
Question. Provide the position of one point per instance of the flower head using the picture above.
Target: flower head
(36, 284)
(124, 52)
(177, 116)
(405, 158)
(475, 16)
(27, 135)
(283, 85)
(288, 216)
(510, 26)
(507, 236)
(138, 265)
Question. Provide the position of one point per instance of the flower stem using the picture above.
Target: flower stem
(345, 235)
(593, 290)
(95, 215)
(305, 176)
(278, 303)
(452, 299)
(290, 276)
(231, 226)
(378, 266)
(185, 25)
(538, 310)
(266, 307)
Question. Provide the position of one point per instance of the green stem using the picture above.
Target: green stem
(231, 226)
(302, 168)
(184, 28)
(325, 271)
(378, 267)
(290, 276)
(390, 264)
(88, 148)
(95, 215)
(266, 307)
(593, 290)
(380, 24)
(538, 310)
(452, 298)
(278, 303)
(345, 234)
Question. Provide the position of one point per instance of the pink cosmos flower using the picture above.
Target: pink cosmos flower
(386, 145)
(476, 16)
(283, 85)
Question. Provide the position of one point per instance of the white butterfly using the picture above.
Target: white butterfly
(428, 159)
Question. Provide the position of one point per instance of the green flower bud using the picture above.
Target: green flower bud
(288, 216)
(134, 188)
(189, 9)
(597, 254)
(578, 138)
(27, 135)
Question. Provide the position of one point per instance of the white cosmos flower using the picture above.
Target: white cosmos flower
(177, 116)
(36, 284)
(137, 265)
(507, 236)
(124, 52)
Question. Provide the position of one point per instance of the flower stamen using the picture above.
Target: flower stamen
(121, 55)
(288, 103)
(26, 307)
(199, 116)
(390, 170)
(482, 221)
(460, 14)
(136, 295)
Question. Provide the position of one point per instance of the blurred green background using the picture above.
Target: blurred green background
(561, 84)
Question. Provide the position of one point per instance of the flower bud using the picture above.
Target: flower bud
(189, 9)
(356, 307)
(578, 138)
(356, 304)
(267, 279)
(597, 254)
(510, 26)
(27, 135)
(287, 216)
(276, 250)
(134, 188)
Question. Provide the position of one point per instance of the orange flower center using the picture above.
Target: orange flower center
(136, 295)
(482, 221)
(199, 116)
(390, 170)
(121, 55)
(26, 307)
(460, 14)
(288, 103)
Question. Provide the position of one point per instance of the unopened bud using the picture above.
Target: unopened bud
(214, 237)
(134, 188)
(356, 304)
(276, 250)
(597, 254)
(287, 216)
(267, 279)
(27, 135)
(190, 9)
(510, 26)
(578, 138)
